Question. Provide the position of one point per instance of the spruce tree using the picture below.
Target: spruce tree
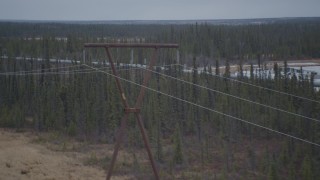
(178, 155)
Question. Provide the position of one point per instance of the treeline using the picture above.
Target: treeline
(294, 40)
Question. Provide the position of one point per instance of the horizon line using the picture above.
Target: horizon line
(119, 20)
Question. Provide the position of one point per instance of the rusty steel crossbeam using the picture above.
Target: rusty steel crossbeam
(127, 109)
(131, 110)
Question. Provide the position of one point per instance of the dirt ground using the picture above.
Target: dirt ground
(48, 156)
(22, 158)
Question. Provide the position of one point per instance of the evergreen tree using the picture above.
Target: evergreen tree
(307, 169)
(178, 155)
(272, 174)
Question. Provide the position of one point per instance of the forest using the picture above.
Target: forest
(187, 135)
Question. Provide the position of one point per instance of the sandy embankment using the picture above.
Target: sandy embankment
(22, 159)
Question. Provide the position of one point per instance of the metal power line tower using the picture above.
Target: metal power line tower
(137, 107)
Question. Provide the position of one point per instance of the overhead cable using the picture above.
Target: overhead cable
(209, 109)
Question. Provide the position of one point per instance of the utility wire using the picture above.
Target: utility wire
(206, 108)
(261, 87)
(79, 71)
(48, 73)
(31, 72)
(183, 100)
(19, 73)
(231, 79)
(233, 96)
(68, 72)
(36, 70)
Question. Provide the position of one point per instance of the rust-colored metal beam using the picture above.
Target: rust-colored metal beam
(130, 45)
(131, 110)
(114, 71)
(146, 145)
(117, 145)
(146, 79)
(127, 109)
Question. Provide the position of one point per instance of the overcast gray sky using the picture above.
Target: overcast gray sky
(155, 9)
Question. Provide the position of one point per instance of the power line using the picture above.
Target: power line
(209, 109)
(67, 72)
(218, 112)
(36, 70)
(31, 72)
(79, 71)
(231, 79)
(47, 73)
(52, 72)
(257, 86)
(233, 96)
(19, 73)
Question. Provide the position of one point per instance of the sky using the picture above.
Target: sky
(155, 9)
